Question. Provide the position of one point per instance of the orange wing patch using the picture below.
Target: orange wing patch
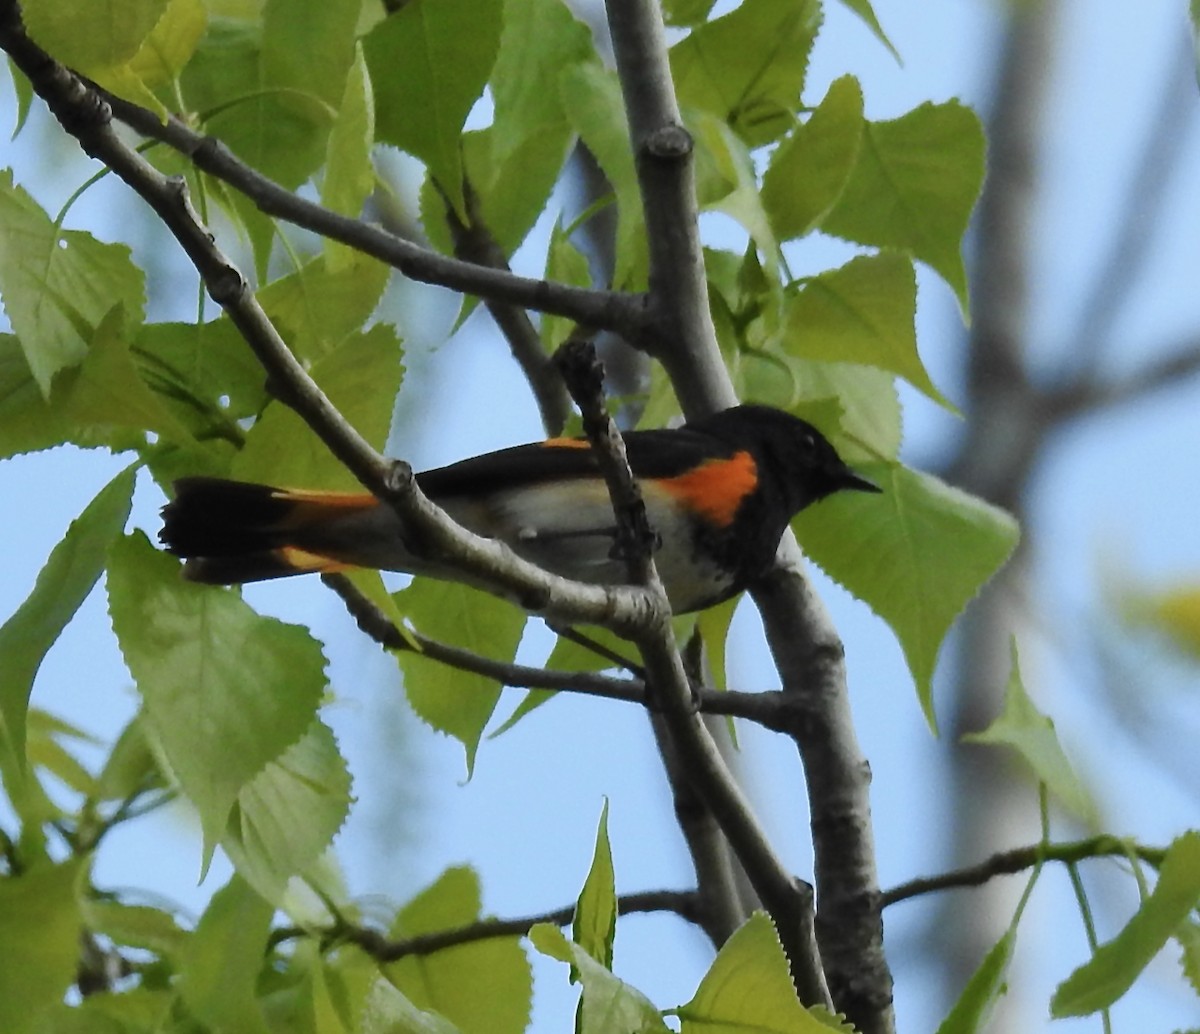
(306, 507)
(351, 500)
(716, 488)
(302, 561)
(565, 443)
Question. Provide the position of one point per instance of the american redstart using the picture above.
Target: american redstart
(719, 493)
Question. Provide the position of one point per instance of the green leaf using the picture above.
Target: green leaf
(864, 313)
(171, 43)
(225, 956)
(308, 47)
(288, 814)
(594, 927)
(456, 702)
(748, 989)
(46, 749)
(726, 180)
(205, 371)
(130, 768)
(713, 625)
(686, 13)
(565, 264)
(609, 1004)
(225, 691)
(93, 36)
(1112, 970)
(28, 422)
(57, 285)
(914, 185)
(747, 67)
(511, 194)
(69, 575)
(869, 425)
(540, 38)
(1188, 936)
(323, 303)
(1031, 734)
(915, 555)
(39, 941)
(988, 984)
(136, 926)
(866, 12)
(106, 389)
(349, 174)
(361, 378)
(484, 987)
(278, 128)
(810, 168)
(387, 1011)
(429, 63)
(592, 100)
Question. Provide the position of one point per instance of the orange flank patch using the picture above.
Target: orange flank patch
(566, 443)
(302, 561)
(716, 488)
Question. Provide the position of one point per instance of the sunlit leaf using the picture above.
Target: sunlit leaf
(57, 285)
(809, 170)
(225, 691)
(916, 555)
(484, 987)
(39, 940)
(748, 989)
(913, 188)
(595, 925)
(452, 701)
(220, 972)
(748, 66)
(1117, 964)
(1029, 732)
(988, 984)
(429, 61)
(349, 173)
(609, 1004)
(361, 378)
(592, 99)
(862, 312)
(69, 575)
(288, 813)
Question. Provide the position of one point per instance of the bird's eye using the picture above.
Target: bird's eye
(808, 446)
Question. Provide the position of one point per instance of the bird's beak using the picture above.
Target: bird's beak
(851, 481)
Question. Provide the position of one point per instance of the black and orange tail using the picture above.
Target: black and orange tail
(232, 531)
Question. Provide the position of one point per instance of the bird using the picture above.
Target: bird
(719, 492)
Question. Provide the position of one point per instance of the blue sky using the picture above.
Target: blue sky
(1125, 486)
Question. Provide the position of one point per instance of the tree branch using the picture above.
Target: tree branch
(686, 341)
(787, 899)
(1140, 213)
(478, 561)
(384, 949)
(473, 242)
(851, 948)
(1089, 394)
(768, 709)
(616, 311)
(1018, 859)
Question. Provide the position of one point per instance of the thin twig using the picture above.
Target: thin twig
(1005, 863)
(769, 709)
(384, 949)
